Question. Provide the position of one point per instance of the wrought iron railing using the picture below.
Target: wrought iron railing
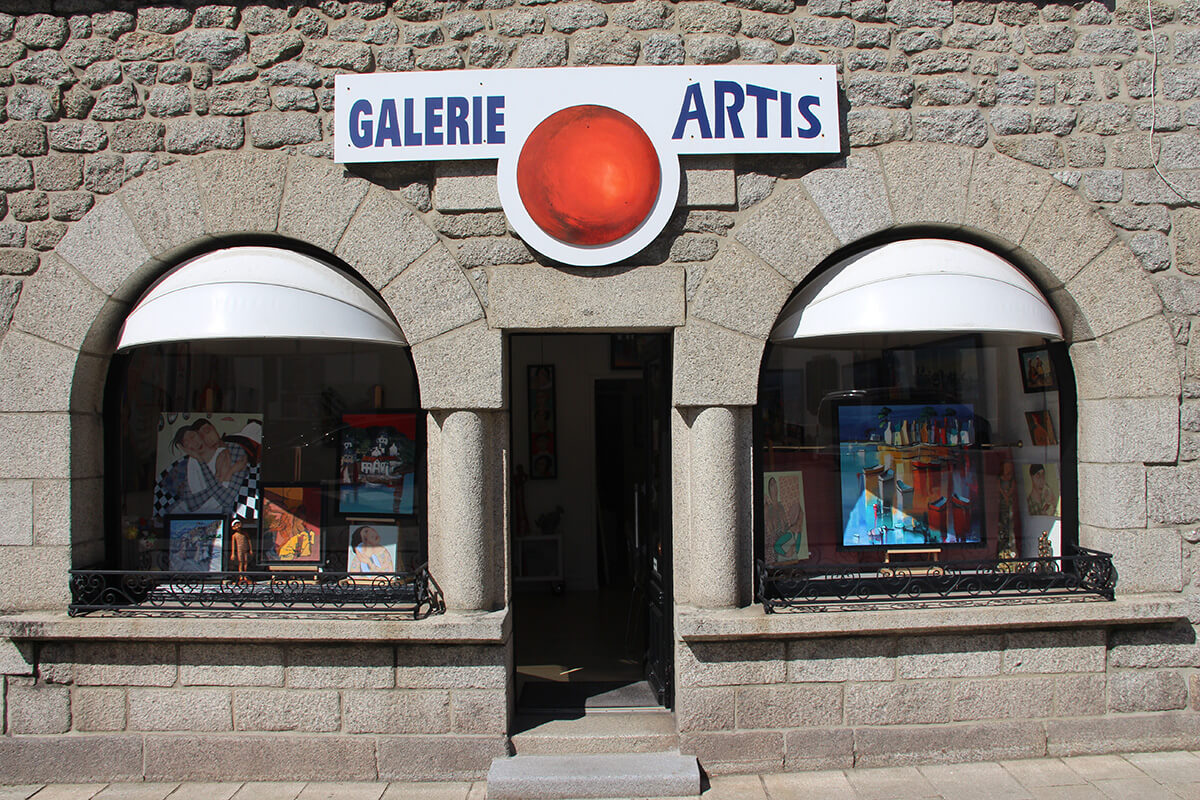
(415, 593)
(1083, 571)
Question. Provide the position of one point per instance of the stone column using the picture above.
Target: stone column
(466, 520)
(721, 519)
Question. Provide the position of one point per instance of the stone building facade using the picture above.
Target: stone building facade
(133, 138)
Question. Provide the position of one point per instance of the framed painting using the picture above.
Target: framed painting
(1037, 372)
(207, 464)
(196, 543)
(378, 463)
(543, 450)
(1041, 428)
(290, 531)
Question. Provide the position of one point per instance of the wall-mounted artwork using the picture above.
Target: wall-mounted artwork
(909, 475)
(1041, 428)
(543, 451)
(1037, 373)
(197, 543)
(208, 464)
(378, 463)
(291, 524)
(784, 519)
(1042, 497)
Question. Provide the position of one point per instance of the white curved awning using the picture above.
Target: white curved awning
(918, 285)
(257, 292)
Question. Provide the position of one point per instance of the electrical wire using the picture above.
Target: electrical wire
(1154, 108)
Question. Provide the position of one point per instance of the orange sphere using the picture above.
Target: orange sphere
(588, 175)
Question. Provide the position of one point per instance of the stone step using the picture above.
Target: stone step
(607, 732)
(581, 776)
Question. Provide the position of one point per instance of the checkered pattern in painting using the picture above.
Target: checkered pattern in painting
(247, 504)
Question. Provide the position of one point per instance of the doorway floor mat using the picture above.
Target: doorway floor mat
(545, 697)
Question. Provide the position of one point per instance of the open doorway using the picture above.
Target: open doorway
(591, 521)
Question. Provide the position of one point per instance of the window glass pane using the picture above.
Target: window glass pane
(930, 446)
(325, 438)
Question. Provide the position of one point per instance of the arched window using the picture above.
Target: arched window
(916, 405)
(262, 418)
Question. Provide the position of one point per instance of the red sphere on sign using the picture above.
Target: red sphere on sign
(588, 175)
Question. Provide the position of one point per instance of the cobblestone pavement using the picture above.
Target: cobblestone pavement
(1137, 776)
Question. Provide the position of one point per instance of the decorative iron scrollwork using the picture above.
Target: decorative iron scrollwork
(415, 593)
(1082, 571)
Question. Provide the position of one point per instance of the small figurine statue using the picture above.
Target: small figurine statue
(243, 550)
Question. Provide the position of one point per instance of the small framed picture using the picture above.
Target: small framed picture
(382, 546)
(1041, 428)
(1037, 373)
(290, 532)
(543, 451)
(197, 543)
(377, 467)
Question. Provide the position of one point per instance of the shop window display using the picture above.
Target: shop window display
(264, 455)
(878, 448)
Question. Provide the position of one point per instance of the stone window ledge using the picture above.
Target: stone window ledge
(452, 627)
(699, 624)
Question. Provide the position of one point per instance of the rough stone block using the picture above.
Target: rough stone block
(319, 200)
(38, 444)
(790, 233)
(707, 182)
(934, 744)
(817, 749)
(230, 665)
(400, 711)
(1154, 647)
(729, 664)
(105, 247)
(352, 667)
(1079, 695)
(927, 183)
(1003, 698)
(1173, 494)
(1146, 560)
(479, 711)
(1144, 429)
(1055, 651)
(242, 192)
(34, 578)
(441, 758)
(1004, 196)
(165, 207)
(733, 752)
(1066, 234)
(260, 758)
(96, 708)
(789, 705)
(1113, 291)
(16, 498)
(1134, 733)
(180, 710)
(715, 366)
(947, 656)
(898, 703)
(432, 296)
(56, 370)
(837, 660)
(851, 196)
(1139, 361)
(741, 293)
(125, 664)
(706, 708)
(384, 238)
(1112, 495)
(462, 368)
(286, 710)
(15, 659)
(70, 759)
(450, 667)
(1146, 690)
(465, 186)
(35, 708)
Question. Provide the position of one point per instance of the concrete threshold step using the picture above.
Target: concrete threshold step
(582, 776)
(591, 733)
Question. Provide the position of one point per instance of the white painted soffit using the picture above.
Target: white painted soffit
(253, 293)
(918, 285)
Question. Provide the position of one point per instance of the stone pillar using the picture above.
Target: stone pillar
(722, 532)
(466, 520)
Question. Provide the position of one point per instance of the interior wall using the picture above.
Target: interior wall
(579, 360)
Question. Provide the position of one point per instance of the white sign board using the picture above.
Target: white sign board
(551, 118)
